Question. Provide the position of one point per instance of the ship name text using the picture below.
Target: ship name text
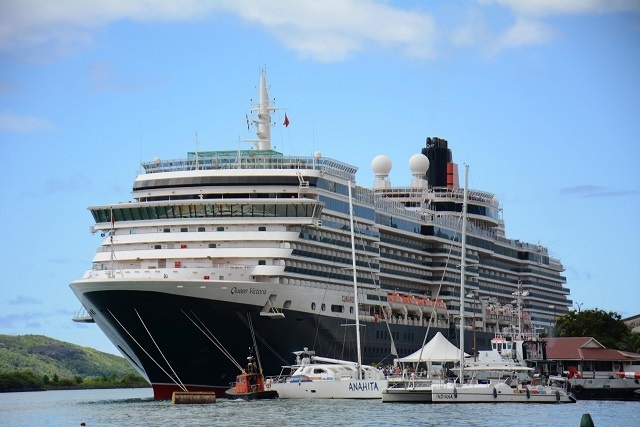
(252, 291)
(363, 386)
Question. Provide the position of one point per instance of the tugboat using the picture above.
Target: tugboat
(250, 384)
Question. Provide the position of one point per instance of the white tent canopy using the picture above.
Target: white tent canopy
(439, 349)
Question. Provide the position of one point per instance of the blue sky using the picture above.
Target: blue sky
(540, 98)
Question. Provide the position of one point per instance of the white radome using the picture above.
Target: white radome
(418, 164)
(381, 165)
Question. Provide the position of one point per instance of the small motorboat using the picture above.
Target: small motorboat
(250, 385)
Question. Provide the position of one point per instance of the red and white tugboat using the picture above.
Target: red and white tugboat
(250, 384)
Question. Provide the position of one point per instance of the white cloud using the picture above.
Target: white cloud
(333, 29)
(14, 123)
(529, 26)
(523, 32)
(327, 30)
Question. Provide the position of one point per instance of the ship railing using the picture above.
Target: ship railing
(251, 160)
(458, 194)
(187, 267)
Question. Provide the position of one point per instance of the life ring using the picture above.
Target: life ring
(577, 388)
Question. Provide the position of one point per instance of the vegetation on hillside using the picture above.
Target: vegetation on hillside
(36, 362)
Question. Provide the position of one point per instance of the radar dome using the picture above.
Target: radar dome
(418, 164)
(317, 155)
(381, 165)
(157, 160)
(495, 201)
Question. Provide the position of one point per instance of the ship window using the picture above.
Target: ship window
(323, 307)
(167, 230)
(220, 228)
(212, 245)
(157, 247)
(337, 308)
(262, 228)
(200, 228)
(262, 262)
(313, 306)
(184, 229)
(132, 231)
(350, 310)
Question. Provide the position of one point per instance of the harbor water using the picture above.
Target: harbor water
(136, 407)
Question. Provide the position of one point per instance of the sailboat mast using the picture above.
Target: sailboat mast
(463, 266)
(355, 283)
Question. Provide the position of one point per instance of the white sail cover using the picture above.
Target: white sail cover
(439, 349)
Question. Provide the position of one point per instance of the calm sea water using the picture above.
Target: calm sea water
(136, 407)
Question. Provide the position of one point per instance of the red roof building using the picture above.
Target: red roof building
(590, 357)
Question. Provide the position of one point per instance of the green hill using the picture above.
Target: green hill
(58, 364)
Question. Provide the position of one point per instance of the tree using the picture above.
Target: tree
(630, 343)
(606, 327)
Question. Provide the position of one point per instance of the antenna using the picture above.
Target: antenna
(140, 154)
(196, 150)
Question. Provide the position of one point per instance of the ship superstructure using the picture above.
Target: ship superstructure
(222, 244)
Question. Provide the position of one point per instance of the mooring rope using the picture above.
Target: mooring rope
(146, 352)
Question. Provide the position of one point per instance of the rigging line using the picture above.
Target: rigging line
(433, 311)
(266, 344)
(217, 342)
(213, 339)
(393, 350)
(159, 351)
(114, 258)
(146, 352)
(253, 338)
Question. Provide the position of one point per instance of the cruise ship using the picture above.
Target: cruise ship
(223, 251)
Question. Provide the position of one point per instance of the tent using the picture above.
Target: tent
(439, 349)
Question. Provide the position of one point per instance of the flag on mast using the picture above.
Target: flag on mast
(286, 120)
(247, 117)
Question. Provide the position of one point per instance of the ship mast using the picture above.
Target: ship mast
(463, 267)
(263, 112)
(355, 283)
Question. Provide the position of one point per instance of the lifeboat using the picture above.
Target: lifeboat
(396, 302)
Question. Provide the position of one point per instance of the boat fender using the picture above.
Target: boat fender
(455, 392)
(495, 393)
(528, 393)
(577, 388)
(557, 396)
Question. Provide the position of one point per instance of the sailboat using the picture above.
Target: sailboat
(494, 391)
(497, 390)
(315, 377)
